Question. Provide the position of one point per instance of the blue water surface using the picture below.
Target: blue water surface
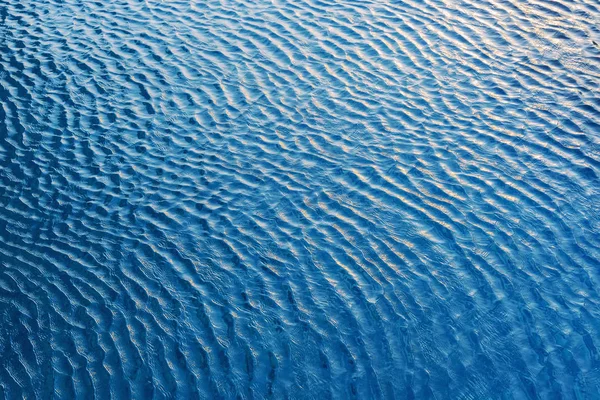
(317, 199)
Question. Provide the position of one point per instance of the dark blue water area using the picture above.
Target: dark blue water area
(300, 200)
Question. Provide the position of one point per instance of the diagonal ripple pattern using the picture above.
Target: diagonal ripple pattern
(310, 199)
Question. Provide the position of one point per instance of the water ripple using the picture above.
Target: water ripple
(261, 199)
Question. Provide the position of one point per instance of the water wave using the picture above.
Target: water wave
(265, 199)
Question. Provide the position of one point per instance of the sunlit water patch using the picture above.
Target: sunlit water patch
(339, 199)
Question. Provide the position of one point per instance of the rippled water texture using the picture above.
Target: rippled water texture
(308, 199)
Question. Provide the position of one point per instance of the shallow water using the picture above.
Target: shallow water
(313, 199)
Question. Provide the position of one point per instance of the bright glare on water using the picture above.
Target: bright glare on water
(337, 199)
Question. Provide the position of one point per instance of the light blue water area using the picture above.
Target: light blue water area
(304, 200)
